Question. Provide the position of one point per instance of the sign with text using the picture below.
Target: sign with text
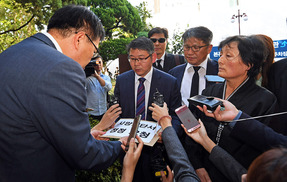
(279, 45)
(147, 130)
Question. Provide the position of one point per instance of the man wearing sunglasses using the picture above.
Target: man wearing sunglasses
(164, 61)
(191, 76)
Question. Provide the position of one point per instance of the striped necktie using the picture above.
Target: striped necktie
(141, 99)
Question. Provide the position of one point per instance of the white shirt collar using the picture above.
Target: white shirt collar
(54, 41)
(162, 57)
(202, 65)
(148, 76)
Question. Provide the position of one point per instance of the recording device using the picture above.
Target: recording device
(158, 98)
(187, 118)
(89, 69)
(113, 100)
(210, 102)
(134, 130)
(158, 162)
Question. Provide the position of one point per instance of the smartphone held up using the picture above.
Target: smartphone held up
(187, 118)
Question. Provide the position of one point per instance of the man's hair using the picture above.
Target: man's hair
(141, 43)
(251, 50)
(159, 31)
(200, 32)
(76, 18)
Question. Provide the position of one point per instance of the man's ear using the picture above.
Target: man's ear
(153, 56)
(210, 48)
(78, 38)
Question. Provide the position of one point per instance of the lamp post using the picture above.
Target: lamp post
(244, 16)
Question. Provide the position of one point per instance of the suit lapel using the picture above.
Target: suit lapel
(155, 83)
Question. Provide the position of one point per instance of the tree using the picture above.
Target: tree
(117, 16)
(110, 49)
(20, 19)
(16, 23)
(144, 15)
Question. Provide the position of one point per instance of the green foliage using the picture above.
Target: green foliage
(20, 19)
(116, 14)
(12, 16)
(144, 14)
(176, 43)
(43, 10)
(112, 174)
(111, 49)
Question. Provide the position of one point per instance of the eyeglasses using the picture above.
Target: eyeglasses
(193, 48)
(95, 53)
(140, 60)
(160, 40)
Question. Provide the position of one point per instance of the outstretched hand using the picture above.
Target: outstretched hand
(108, 120)
(227, 114)
(131, 158)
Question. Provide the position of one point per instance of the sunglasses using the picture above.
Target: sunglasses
(160, 40)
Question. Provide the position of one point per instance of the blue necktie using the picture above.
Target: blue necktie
(141, 99)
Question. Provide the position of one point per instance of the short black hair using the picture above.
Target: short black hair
(79, 18)
(200, 32)
(141, 43)
(158, 30)
(251, 50)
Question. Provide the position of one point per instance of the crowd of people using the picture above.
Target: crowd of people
(45, 133)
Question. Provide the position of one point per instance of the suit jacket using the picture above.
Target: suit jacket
(125, 91)
(166, 85)
(44, 129)
(255, 134)
(277, 83)
(170, 62)
(226, 164)
(183, 170)
(178, 72)
(249, 98)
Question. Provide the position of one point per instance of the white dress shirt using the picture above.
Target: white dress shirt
(147, 84)
(187, 80)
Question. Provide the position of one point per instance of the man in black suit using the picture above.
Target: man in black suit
(278, 85)
(141, 56)
(164, 61)
(197, 46)
(191, 76)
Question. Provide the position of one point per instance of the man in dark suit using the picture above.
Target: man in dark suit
(44, 126)
(197, 46)
(277, 83)
(164, 61)
(191, 76)
(128, 89)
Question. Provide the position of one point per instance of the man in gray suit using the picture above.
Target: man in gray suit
(44, 126)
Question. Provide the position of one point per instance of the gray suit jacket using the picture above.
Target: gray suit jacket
(183, 170)
(44, 129)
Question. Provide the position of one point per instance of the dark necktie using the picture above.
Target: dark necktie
(195, 82)
(158, 64)
(141, 99)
